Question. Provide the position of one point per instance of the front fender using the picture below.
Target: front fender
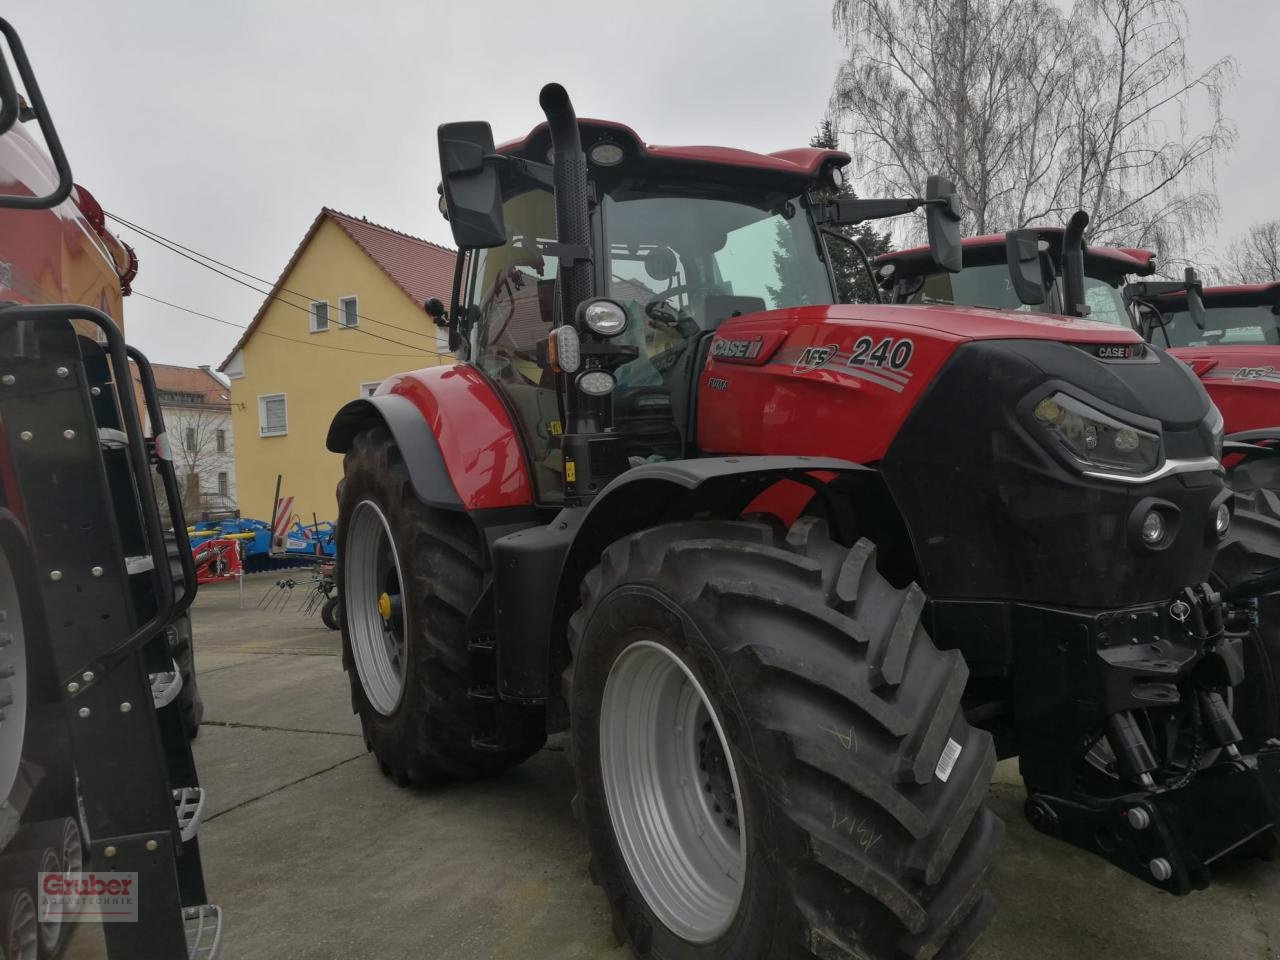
(538, 570)
(458, 441)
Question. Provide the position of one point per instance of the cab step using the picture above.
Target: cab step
(188, 805)
(166, 685)
(204, 931)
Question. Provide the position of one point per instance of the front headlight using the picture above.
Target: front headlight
(1096, 439)
(1217, 428)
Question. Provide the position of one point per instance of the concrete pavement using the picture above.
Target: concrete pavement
(313, 855)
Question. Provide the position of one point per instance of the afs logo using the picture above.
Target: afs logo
(811, 358)
(1254, 373)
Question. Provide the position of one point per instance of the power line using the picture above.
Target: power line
(181, 251)
(277, 336)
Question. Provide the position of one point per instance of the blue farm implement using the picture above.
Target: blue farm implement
(300, 545)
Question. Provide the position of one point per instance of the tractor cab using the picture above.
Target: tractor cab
(986, 280)
(689, 238)
(1244, 315)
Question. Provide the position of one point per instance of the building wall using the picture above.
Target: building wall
(318, 375)
(206, 461)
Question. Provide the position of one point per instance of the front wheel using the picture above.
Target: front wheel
(770, 752)
(408, 577)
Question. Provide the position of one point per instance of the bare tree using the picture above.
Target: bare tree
(1034, 112)
(198, 436)
(1255, 256)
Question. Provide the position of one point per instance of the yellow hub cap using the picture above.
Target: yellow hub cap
(384, 606)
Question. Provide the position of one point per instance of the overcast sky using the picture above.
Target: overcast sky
(227, 125)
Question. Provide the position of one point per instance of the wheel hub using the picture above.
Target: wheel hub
(373, 602)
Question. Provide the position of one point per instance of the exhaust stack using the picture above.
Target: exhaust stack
(1073, 301)
(572, 218)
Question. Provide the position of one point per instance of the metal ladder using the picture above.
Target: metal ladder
(104, 575)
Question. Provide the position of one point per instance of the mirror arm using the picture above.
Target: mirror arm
(542, 173)
(854, 211)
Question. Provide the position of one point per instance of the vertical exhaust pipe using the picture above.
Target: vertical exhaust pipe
(573, 224)
(1073, 301)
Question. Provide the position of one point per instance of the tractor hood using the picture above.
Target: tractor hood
(1244, 381)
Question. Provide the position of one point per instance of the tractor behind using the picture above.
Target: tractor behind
(794, 574)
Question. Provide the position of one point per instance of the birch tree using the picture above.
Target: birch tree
(1035, 111)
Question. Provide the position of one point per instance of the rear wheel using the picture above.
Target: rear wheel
(19, 931)
(770, 753)
(330, 614)
(409, 575)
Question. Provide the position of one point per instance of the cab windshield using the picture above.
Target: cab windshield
(988, 285)
(1248, 325)
(678, 262)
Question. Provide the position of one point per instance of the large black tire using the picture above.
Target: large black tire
(428, 737)
(1253, 547)
(19, 932)
(837, 709)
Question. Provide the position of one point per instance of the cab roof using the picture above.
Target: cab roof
(1229, 295)
(801, 164)
(1126, 259)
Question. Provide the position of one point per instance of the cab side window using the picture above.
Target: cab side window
(511, 307)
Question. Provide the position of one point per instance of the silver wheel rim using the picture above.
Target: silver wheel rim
(23, 930)
(13, 679)
(672, 791)
(51, 929)
(372, 604)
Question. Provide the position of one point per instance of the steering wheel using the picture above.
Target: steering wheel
(659, 310)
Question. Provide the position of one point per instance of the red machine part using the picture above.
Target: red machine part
(217, 560)
(841, 379)
(1243, 381)
(476, 434)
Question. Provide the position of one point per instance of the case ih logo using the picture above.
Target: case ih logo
(1117, 351)
(737, 349)
(811, 358)
(88, 897)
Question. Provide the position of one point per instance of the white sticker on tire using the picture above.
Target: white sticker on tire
(947, 762)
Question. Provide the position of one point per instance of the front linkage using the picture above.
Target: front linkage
(1129, 749)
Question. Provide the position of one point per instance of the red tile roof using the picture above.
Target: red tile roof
(186, 380)
(420, 268)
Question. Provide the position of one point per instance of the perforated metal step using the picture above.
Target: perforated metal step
(204, 931)
(188, 804)
(166, 685)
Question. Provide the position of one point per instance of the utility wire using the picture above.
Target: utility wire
(177, 248)
(277, 336)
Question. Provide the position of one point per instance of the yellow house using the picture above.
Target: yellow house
(345, 313)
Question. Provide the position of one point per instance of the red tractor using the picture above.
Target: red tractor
(1229, 337)
(793, 574)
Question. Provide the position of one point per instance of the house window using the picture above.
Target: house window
(369, 388)
(224, 484)
(348, 314)
(221, 439)
(320, 316)
(189, 441)
(273, 417)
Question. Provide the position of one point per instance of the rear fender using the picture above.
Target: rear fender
(458, 441)
(538, 570)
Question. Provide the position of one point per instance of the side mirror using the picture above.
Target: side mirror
(942, 216)
(1026, 266)
(1195, 302)
(1073, 296)
(473, 200)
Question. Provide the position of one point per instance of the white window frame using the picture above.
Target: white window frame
(342, 313)
(368, 383)
(262, 414)
(313, 318)
(224, 483)
(442, 341)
